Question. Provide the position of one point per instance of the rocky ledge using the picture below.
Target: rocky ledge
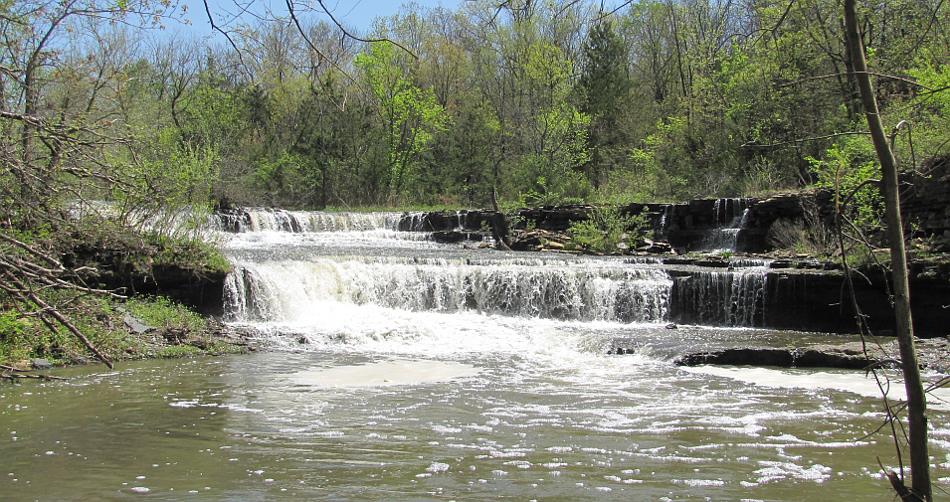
(934, 354)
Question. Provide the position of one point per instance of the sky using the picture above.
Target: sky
(352, 13)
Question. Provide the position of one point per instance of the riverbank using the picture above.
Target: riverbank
(131, 295)
(139, 328)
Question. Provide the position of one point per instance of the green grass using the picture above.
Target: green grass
(14, 337)
(162, 313)
(202, 257)
(101, 321)
(24, 338)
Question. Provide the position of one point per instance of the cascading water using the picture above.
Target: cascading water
(733, 297)
(278, 289)
(730, 217)
(286, 276)
(411, 370)
(279, 220)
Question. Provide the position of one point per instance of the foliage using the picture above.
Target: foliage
(657, 163)
(850, 168)
(549, 105)
(15, 337)
(102, 320)
(24, 338)
(411, 115)
(551, 173)
(608, 230)
(809, 236)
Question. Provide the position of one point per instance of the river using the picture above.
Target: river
(402, 369)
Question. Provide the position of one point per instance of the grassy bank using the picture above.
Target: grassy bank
(139, 328)
(46, 304)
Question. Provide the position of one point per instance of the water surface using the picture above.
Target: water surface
(401, 369)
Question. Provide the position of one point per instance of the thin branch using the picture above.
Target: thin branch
(804, 140)
(871, 73)
(215, 27)
(346, 33)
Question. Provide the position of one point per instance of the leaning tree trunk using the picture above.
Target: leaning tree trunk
(916, 398)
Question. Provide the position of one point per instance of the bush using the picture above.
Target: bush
(850, 168)
(607, 230)
(25, 338)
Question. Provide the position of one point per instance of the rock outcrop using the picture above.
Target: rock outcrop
(933, 354)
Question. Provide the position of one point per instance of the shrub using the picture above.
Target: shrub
(607, 230)
(850, 168)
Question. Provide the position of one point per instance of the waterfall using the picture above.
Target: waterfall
(295, 266)
(626, 292)
(735, 297)
(253, 219)
(729, 216)
(413, 222)
(287, 290)
(317, 221)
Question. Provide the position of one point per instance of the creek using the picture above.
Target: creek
(403, 369)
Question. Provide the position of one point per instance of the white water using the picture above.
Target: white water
(280, 220)
(409, 370)
(281, 276)
(730, 216)
(385, 309)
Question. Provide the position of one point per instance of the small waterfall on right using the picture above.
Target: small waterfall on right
(729, 297)
(730, 217)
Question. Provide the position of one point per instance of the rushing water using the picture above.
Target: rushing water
(408, 370)
(730, 216)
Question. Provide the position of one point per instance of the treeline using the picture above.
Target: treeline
(537, 102)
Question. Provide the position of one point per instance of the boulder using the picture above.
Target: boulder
(40, 364)
(135, 325)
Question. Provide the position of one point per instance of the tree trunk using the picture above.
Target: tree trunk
(916, 398)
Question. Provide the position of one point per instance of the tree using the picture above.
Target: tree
(916, 397)
(605, 83)
(410, 114)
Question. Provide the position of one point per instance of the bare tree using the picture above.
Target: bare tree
(916, 397)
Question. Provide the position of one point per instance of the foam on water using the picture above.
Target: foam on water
(458, 369)
(387, 373)
(847, 381)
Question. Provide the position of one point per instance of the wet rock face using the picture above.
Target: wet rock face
(233, 220)
(784, 358)
(447, 221)
(455, 236)
(926, 202)
(933, 354)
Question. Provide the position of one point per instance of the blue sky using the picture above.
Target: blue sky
(353, 13)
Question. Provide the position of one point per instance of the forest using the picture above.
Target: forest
(539, 103)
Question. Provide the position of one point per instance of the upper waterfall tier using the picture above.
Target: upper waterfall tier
(253, 219)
